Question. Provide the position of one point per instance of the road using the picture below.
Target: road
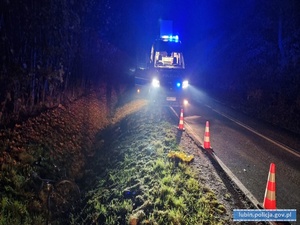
(247, 147)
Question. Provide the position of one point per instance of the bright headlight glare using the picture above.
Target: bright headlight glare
(155, 82)
(185, 84)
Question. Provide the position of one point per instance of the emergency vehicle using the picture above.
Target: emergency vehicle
(164, 79)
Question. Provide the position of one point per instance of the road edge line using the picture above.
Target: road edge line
(226, 170)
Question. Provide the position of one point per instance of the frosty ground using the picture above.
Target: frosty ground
(118, 158)
(132, 181)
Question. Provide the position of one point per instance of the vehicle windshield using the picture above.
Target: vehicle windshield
(163, 59)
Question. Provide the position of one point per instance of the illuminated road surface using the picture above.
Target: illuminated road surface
(248, 147)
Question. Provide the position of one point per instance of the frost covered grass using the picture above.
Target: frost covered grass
(144, 186)
(128, 178)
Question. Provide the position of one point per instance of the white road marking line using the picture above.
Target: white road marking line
(188, 127)
(229, 173)
(237, 182)
(288, 149)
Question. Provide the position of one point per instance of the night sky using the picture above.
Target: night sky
(194, 21)
(225, 37)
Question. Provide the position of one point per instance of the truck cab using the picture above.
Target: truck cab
(165, 75)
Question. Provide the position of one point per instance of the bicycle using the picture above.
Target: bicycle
(59, 196)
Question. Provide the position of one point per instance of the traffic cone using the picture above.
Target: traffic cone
(181, 126)
(270, 197)
(206, 136)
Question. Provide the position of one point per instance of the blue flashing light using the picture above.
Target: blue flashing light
(165, 36)
(178, 84)
(170, 38)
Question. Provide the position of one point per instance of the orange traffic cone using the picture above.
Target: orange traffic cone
(180, 126)
(206, 136)
(270, 197)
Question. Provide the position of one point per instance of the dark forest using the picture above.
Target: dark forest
(247, 52)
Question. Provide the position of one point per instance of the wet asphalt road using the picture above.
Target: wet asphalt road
(247, 154)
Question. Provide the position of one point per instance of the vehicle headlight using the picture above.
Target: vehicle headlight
(185, 84)
(155, 82)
